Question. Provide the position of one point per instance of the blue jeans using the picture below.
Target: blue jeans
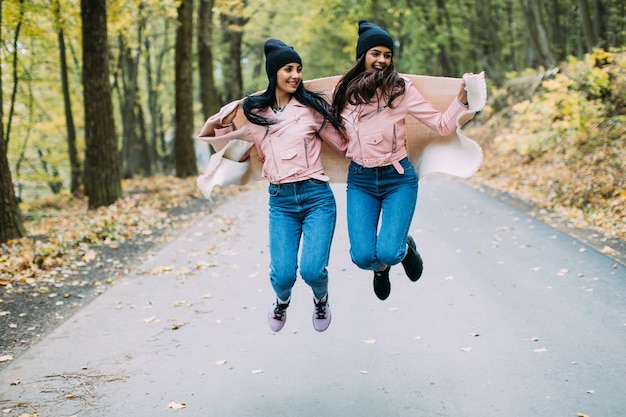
(302, 210)
(380, 197)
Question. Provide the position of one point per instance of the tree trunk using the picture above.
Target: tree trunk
(15, 53)
(157, 145)
(145, 161)
(600, 23)
(135, 153)
(587, 25)
(208, 92)
(75, 170)
(557, 31)
(232, 26)
(102, 164)
(51, 171)
(537, 34)
(448, 68)
(11, 226)
(184, 145)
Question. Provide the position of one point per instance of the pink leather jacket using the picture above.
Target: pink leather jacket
(290, 149)
(377, 134)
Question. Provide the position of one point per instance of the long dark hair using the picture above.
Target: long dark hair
(359, 86)
(304, 96)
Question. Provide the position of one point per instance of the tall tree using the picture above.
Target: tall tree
(540, 48)
(156, 49)
(208, 92)
(184, 145)
(590, 30)
(102, 164)
(75, 170)
(135, 151)
(15, 47)
(11, 225)
(233, 20)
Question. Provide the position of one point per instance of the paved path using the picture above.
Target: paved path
(511, 318)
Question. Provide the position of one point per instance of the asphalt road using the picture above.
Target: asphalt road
(511, 318)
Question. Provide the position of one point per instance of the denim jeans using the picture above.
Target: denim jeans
(304, 210)
(380, 204)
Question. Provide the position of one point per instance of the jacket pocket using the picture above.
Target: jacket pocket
(288, 154)
(373, 139)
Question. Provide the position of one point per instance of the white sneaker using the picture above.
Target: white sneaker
(321, 314)
(277, 316)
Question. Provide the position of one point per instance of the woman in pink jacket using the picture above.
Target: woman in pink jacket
(372, 100)
(287, 123)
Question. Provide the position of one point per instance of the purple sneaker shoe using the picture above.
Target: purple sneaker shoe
(277, 316)
(321, 314)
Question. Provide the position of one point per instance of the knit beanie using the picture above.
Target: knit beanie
(278, 54)
(370, 36)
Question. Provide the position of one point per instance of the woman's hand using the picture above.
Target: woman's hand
(228, 119)
(462, 96)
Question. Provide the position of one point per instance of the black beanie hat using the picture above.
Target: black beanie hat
(370, 36)
(278, 54)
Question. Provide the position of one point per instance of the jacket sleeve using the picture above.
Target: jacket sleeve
(334, 139)
(215, 121)
(444, 123)
(230, 163)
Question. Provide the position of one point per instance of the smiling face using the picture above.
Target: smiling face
(378, 58)
(288, 78)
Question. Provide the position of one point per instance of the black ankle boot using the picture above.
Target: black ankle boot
(382, 286)
(412, 262)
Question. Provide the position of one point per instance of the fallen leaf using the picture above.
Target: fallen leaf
(540, 350)
(152, 319)
(364, 372)
(607, 250)
(257, 371)
(221, 362)
(204, 264)
(6, 358)
(177, 406)
(369, 341)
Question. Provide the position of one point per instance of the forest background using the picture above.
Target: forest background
(101, 101)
